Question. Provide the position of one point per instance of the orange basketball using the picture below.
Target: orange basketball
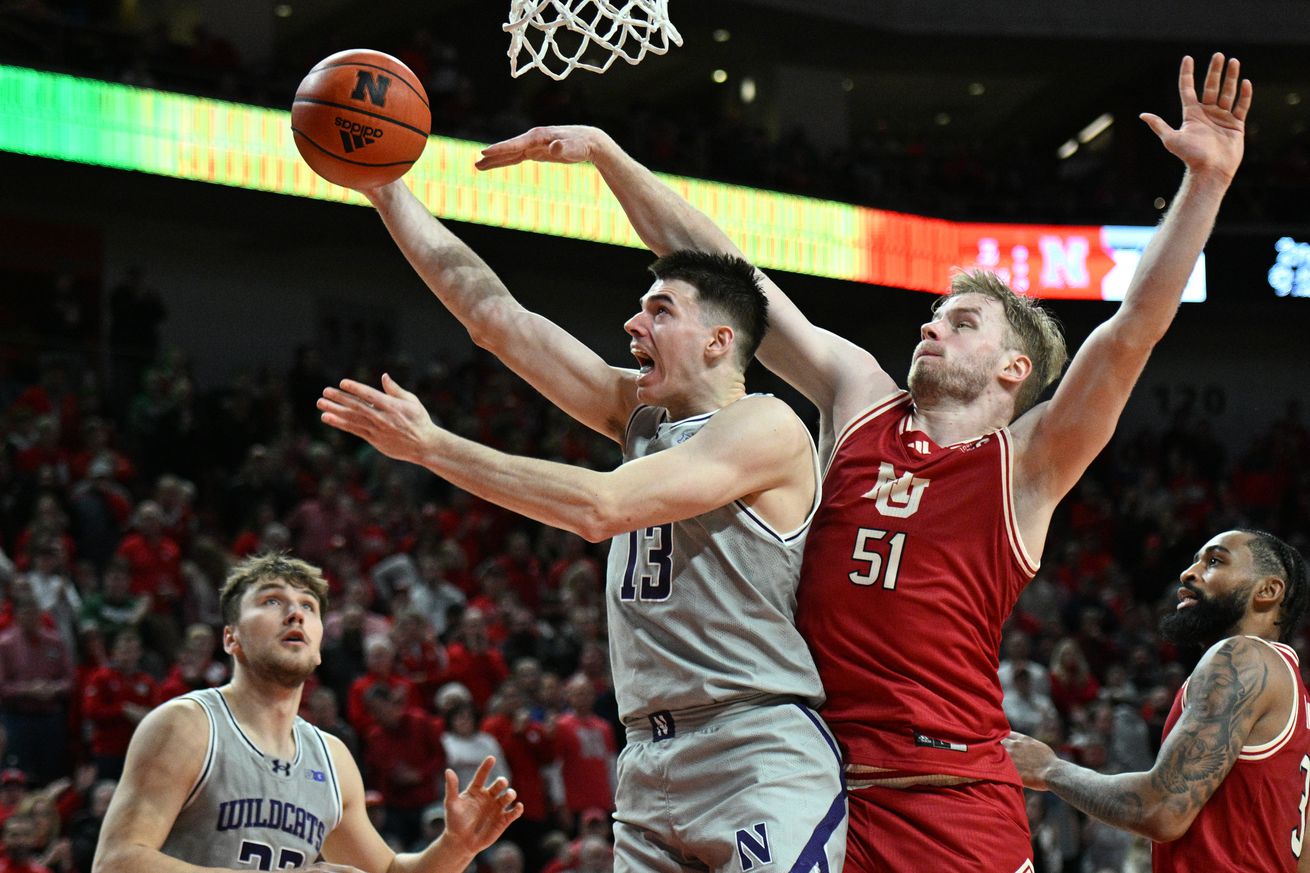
(360, 118)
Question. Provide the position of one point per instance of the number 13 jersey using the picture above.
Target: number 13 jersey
(701, 611)
(914, 561)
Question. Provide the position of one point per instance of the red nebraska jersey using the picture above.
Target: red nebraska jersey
(913, 563)
(1255, 821)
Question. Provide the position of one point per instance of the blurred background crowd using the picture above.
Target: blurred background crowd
(455, 629)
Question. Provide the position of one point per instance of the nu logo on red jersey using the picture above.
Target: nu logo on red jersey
(897, 495)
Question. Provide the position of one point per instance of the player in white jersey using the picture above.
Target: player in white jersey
(232, 779)
(727, 767)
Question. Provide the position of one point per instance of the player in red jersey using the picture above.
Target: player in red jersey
(1228, 790)
(936, 501)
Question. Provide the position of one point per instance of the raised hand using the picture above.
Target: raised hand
(478, 815)
(393, 420)
(1210, 138)
(564, 144)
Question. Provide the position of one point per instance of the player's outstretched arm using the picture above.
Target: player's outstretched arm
(1229, 691)
(475, 818)
(751, 445)
(543, 354)
(1057, 440)
(163, 762)
(821, 365)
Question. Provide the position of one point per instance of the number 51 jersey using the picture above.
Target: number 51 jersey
(913, 563)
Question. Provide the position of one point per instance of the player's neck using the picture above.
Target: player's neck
(709, 396)
(265, 710)
(948, 422)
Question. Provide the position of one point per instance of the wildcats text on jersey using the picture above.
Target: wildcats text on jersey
(250, 812)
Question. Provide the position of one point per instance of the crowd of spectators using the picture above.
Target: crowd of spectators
(457, 629)
(1004, 177)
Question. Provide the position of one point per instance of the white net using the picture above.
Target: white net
(560, 36)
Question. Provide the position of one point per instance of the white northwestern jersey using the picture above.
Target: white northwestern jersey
(249, 810)
(701, 611)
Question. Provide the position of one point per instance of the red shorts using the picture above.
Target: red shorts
(981, 827)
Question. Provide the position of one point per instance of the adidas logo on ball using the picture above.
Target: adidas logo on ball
(355, 135)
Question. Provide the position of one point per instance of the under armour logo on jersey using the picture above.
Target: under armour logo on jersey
(661, 725)
(897, 495)
(284, 769)
(753, 847)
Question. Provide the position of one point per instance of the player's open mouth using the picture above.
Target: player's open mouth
(295, 638)
(1186, 598)
(644, 361)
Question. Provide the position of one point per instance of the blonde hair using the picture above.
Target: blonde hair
(263, 568)
(1032, 330)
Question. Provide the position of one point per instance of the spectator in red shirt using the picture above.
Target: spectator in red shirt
(196, 665)
(380, 661)
(116, 698)
(586, 752)
(1072, 683)
(36, 676)
(155, 562)
(404, 758)
(473, 662)
(420, 656)
(527, 748)
(522, 570)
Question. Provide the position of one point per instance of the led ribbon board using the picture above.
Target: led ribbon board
(92, 122)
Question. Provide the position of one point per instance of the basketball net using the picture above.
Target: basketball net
(553, 35)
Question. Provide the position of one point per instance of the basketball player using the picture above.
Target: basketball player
(727, 766)
(1228, 790)
(936, 501)
(230, 778)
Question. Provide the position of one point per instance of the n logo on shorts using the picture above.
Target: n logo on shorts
(753, 847)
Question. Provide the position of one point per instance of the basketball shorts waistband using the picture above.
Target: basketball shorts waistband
(665, 724)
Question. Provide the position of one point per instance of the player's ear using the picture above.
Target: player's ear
(1268, 593)
(721, 340)
(230, 641)
(1017, 368)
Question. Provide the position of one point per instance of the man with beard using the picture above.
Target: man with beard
(936, 501)
(231, 778)
(1228, 790)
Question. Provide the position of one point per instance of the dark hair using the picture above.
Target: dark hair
(728, 287)
(1273, 557)
(265, 568)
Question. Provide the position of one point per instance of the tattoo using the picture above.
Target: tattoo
(1196, 757)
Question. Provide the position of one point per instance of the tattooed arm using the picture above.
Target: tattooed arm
(1229, 692)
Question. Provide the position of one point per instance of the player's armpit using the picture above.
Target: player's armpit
(164, 762)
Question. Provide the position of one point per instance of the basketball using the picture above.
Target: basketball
(360, 118)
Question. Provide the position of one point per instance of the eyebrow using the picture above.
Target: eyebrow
(965, 310)
(659, 296)
(1208, 549)
(278, 586)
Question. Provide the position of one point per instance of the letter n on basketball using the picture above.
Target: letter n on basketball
(375, 86)
(753, 847)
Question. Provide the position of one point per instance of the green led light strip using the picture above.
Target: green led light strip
(92, 122)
